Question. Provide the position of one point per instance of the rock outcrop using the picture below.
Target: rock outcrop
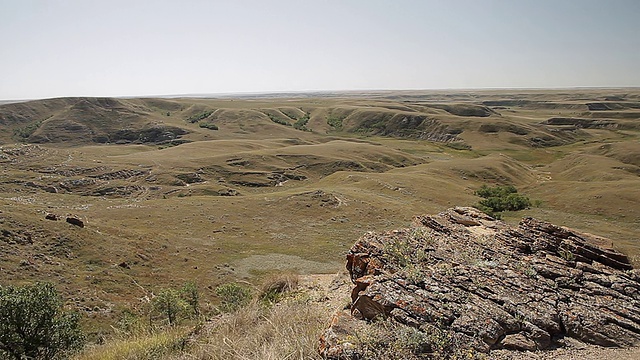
(481, 285)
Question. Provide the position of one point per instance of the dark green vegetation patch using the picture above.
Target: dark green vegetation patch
(501, 198)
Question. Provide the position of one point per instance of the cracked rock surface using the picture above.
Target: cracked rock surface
(490, 286)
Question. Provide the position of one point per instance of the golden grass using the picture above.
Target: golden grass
(139, 347)
(276, 284)
(288, 330)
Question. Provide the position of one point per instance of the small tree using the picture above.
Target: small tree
(33, 324)
(191, 297)
(169, 303)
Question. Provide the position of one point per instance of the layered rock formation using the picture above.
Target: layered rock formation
(481, 284)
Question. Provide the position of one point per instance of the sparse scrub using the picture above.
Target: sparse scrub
(176, 305)
(335, 122)
(414, 273)
(233, 297)
(208, 125)
(34, 326)
(278, 120)
(143, 334)
(131, 323)
(387, 339)
(200, 116)
(168, 304)
(409, 254)
(409, 250)
(24, 132)
(191, 296)
(384, 339)
(399, 252)
(301, 124)
(289, 114)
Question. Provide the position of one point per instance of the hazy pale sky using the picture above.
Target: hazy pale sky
(52, 48)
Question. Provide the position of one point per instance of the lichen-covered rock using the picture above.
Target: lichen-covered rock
(492, 286)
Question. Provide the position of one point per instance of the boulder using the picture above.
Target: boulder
(50, 216)
(491, 286)
(75, 221)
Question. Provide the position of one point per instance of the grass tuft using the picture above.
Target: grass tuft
(274, 287)
(142, 346)
(287, 330)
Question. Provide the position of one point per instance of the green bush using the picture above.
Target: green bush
(301, 124)
(278, 120)
(335, 122)
(201, 116)
(496, 191)
(208, 125)
(501, 198)
(168, 303)
(24, 132)
(33, 324)
(233, 297)
(191, 296)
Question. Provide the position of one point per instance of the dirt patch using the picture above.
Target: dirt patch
(246, 267)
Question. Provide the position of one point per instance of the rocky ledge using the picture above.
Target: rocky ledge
(482, 285)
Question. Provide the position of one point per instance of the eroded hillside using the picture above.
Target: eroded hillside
(215, 190)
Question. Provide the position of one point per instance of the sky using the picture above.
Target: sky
(55, 48)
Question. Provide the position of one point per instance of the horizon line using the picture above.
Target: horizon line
(303, 92)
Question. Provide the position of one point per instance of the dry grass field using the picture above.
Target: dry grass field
(234, 189)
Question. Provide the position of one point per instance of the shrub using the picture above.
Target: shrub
(387, 339)
(496, 191)
(24, 132)
(33, 324)
(131, 323)
(208, 125)
(301, 124)
(191, 296)
(233, 297)
(169, 304)
(335, 122)
(501, 198)
(278, 120)
(201, 116)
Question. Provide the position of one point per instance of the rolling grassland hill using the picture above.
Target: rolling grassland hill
(220, 190)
